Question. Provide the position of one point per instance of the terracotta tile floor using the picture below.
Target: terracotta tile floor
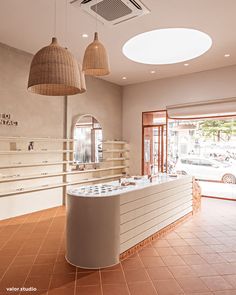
(199, 257)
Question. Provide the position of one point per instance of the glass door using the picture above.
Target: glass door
(154, 147)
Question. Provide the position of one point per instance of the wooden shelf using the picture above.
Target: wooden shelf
(35, 152)
(23, 165)
(35, 139)
(115, 151)
(47, 175)
(115, 159)
(51, 186)
(115, 142)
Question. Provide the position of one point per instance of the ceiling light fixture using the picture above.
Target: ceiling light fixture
(54, 71)
(186, 65)
(95, 61)
(227, 55)
(124, 78)
(167, 46)
(153, 72)
(85, 35)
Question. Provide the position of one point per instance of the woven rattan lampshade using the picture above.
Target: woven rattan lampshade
(95, 62)
(54, 71)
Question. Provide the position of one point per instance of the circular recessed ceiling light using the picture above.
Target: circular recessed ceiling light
(85, 35)
(167, 46)
(153, 72)
(227, 55)
(124, 78)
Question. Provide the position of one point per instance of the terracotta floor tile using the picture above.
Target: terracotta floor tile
(152, 261)
(225, 268)
(45, 259)
(132, 263)
(193, 259)
(41, 282)
(181, 250)
(204, 270)
(201, 293)
(177, 242)
(216, 283)
(18, 270)
(203, 249)
(182, 271)
(88, 278)
(166, 251)
(229, 257)
(89, 290)
(62, 281)
(148, 252)
(136, 275)
(114, 267)
(142, 288)
(231, 279)
(192, 284)
(39, 269)
(63, 267)
(6, 260)
(168, 287)
(114, 289)
(159, 273)
(160, 243)
(226, 292)
(112, 277)
(172, 235)
(173, 260)
(213, 258)
(15, 281)
(61, 291)
(194, 241)
(23, 260)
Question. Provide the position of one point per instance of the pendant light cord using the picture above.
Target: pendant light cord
(96, 15)
(66, 24)
(55, 18)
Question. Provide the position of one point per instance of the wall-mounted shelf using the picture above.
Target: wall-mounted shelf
(45, 163)
(115, 151)
(46, 187)
(115, 159)
(35, 152)
(114, 142)
(48, 166)
(47, 175)
(43, 139)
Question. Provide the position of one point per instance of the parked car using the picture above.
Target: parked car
(206, 169)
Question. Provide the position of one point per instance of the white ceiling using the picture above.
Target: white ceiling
(28, 25)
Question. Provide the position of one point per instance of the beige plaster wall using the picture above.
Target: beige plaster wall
(42, 116)
(156, 95)
(103, 100)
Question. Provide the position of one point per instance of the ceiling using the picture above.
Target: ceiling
(29, 25)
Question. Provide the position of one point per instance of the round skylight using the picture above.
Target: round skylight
(167, 46)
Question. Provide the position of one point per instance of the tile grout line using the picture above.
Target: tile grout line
(41, 247)
(126, 283)
(148, 273)
(19, 248)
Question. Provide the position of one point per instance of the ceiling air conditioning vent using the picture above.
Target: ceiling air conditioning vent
(114, 12)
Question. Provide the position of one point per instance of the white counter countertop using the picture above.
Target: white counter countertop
(115, 188)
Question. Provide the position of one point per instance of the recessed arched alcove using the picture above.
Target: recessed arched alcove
(88, 134)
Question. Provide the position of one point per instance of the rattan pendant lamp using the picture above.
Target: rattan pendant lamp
(95, 61)
(54, 71)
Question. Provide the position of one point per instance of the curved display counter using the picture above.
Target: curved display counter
(105, 220)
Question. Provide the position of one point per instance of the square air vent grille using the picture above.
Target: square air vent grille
(113, 12)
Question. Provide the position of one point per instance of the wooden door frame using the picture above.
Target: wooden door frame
(151, 126)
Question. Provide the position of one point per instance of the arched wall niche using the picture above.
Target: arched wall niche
(88, 133)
